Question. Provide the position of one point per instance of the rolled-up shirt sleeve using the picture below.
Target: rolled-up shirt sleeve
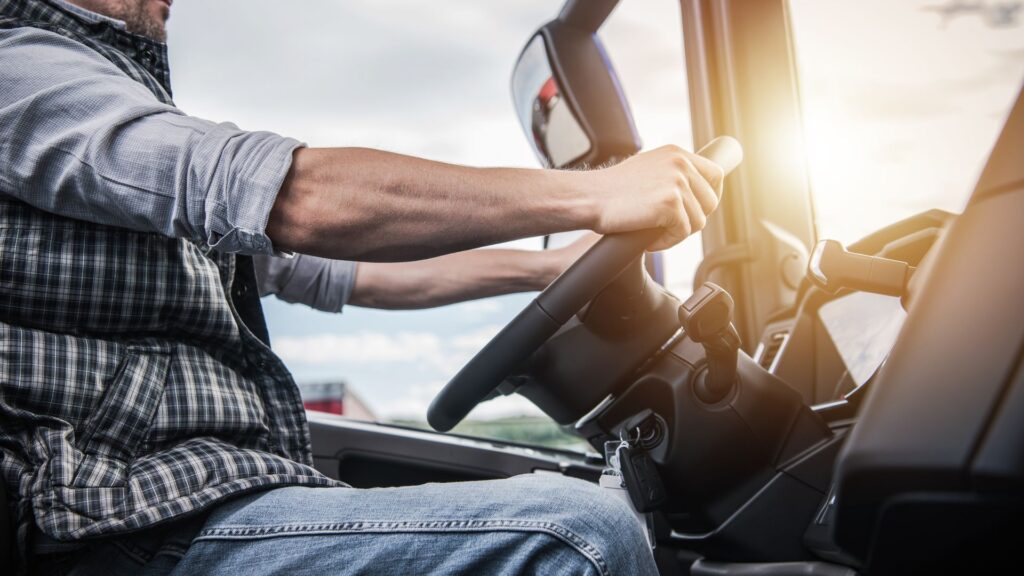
(316, 282)
(81, 139)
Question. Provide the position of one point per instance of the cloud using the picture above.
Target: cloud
(411, 405)
(357, 348)
(475, 339)
(366, 347)
(478, 308)
(397, 374)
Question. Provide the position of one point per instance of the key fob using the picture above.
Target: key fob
(643, 482)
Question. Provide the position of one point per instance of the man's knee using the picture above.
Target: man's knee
(597, 522)
(580, 503)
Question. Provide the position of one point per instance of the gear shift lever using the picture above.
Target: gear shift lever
(707, 318)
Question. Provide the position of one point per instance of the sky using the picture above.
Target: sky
(891, 91)
(423, 78)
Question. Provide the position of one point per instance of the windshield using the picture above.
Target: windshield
(902, 103)
(429, 79)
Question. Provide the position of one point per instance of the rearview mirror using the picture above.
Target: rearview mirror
(567, 95)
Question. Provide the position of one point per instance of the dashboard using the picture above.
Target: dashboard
(830, 345)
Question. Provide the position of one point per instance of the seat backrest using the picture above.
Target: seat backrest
(939, 441)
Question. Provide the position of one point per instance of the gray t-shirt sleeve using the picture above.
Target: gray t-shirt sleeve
(316, 282)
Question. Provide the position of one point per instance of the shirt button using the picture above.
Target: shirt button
(257, 360)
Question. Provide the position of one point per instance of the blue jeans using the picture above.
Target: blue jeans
(532, 524)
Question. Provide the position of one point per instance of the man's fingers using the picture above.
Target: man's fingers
(678, 226)
(670, 238)
(702, 189)
(706, 196)
(694, 213)
(581, 245)
(710, 171)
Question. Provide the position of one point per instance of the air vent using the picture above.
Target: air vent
(771, 348)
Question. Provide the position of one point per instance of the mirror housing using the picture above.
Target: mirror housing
(567, 95)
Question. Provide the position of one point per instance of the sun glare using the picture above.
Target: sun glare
(902, 119)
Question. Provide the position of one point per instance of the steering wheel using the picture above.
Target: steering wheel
(552, 308)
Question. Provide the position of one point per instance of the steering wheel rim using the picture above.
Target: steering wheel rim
(551, 309)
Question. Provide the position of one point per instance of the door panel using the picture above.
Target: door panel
(368, 455)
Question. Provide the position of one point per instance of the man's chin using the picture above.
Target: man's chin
(149, 19)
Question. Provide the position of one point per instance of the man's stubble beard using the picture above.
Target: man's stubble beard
(139, 16)
(139, 21)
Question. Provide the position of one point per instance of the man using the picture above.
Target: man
(145, 425)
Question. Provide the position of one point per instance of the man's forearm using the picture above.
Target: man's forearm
(368, 205)
(453, 278)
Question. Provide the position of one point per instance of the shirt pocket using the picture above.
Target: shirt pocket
(121, 421)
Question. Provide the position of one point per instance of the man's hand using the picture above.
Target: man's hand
(561, 258)
(667, 187)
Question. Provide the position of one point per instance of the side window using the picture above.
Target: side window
(418, 82)
(901, 119)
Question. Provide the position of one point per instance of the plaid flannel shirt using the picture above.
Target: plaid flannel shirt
(136, 385)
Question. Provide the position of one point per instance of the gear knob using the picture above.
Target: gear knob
(706, 316)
